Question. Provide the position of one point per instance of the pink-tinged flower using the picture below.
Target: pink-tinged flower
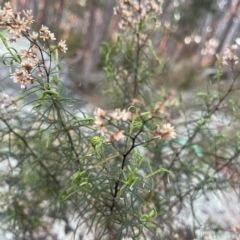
(117, 136)
(27, 66)
(166, 132)
(46, 34)
(8, 6)
(136, 102)
(120, 115)
(100, 128)
(29, 17)
(230, 58)
(116, 115)
(126, 115)
(22, 77)
(6, 14)
(159, 107)
(109, 138)
(62, 46)
(99, 114)
(34, 36)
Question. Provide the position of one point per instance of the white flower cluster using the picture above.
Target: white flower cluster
(102, 118)
(46, 34)
(19, 27)
(230, 58)
(132, 12)
(14, 22)
(165, 132)
(7, 102)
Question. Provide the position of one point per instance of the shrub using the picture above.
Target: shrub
(125, 172)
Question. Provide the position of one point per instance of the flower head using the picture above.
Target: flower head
(46, 34)
(27, 66)
(6, 14)
(117, 136)
(14, 102)
(62, 46)
(100, 128)
(133, 12)
(230, 57)
(34, 36)
(23, 77)
(159, 107)
(165, 132)
(99, 114)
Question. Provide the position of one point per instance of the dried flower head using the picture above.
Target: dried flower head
(23, 77)
(159, 107)
(132, 12)
(7, 102)
(165, 132)
(23, 53)
(16, 24)
(115, 115)
(5, 96)
(29, 17)
(230, 58)
(4, 106)
(136, 102)
(8, 6)
(99, 114)
(117, 136)
(27, 66)
(46, 34)
(100, 127)
(14, 102)
(6, 14)
(126, 115)
(34, 36)
(120, 115)
(62, 46)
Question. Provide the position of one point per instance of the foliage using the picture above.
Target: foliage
(123, 172)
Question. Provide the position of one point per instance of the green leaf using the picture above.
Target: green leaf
(96, 142)
(87, 120)
(76, 178)
(201, 94)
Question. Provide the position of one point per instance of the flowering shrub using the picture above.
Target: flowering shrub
(126, 172)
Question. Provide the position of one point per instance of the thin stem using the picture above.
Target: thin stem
(133, 145)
